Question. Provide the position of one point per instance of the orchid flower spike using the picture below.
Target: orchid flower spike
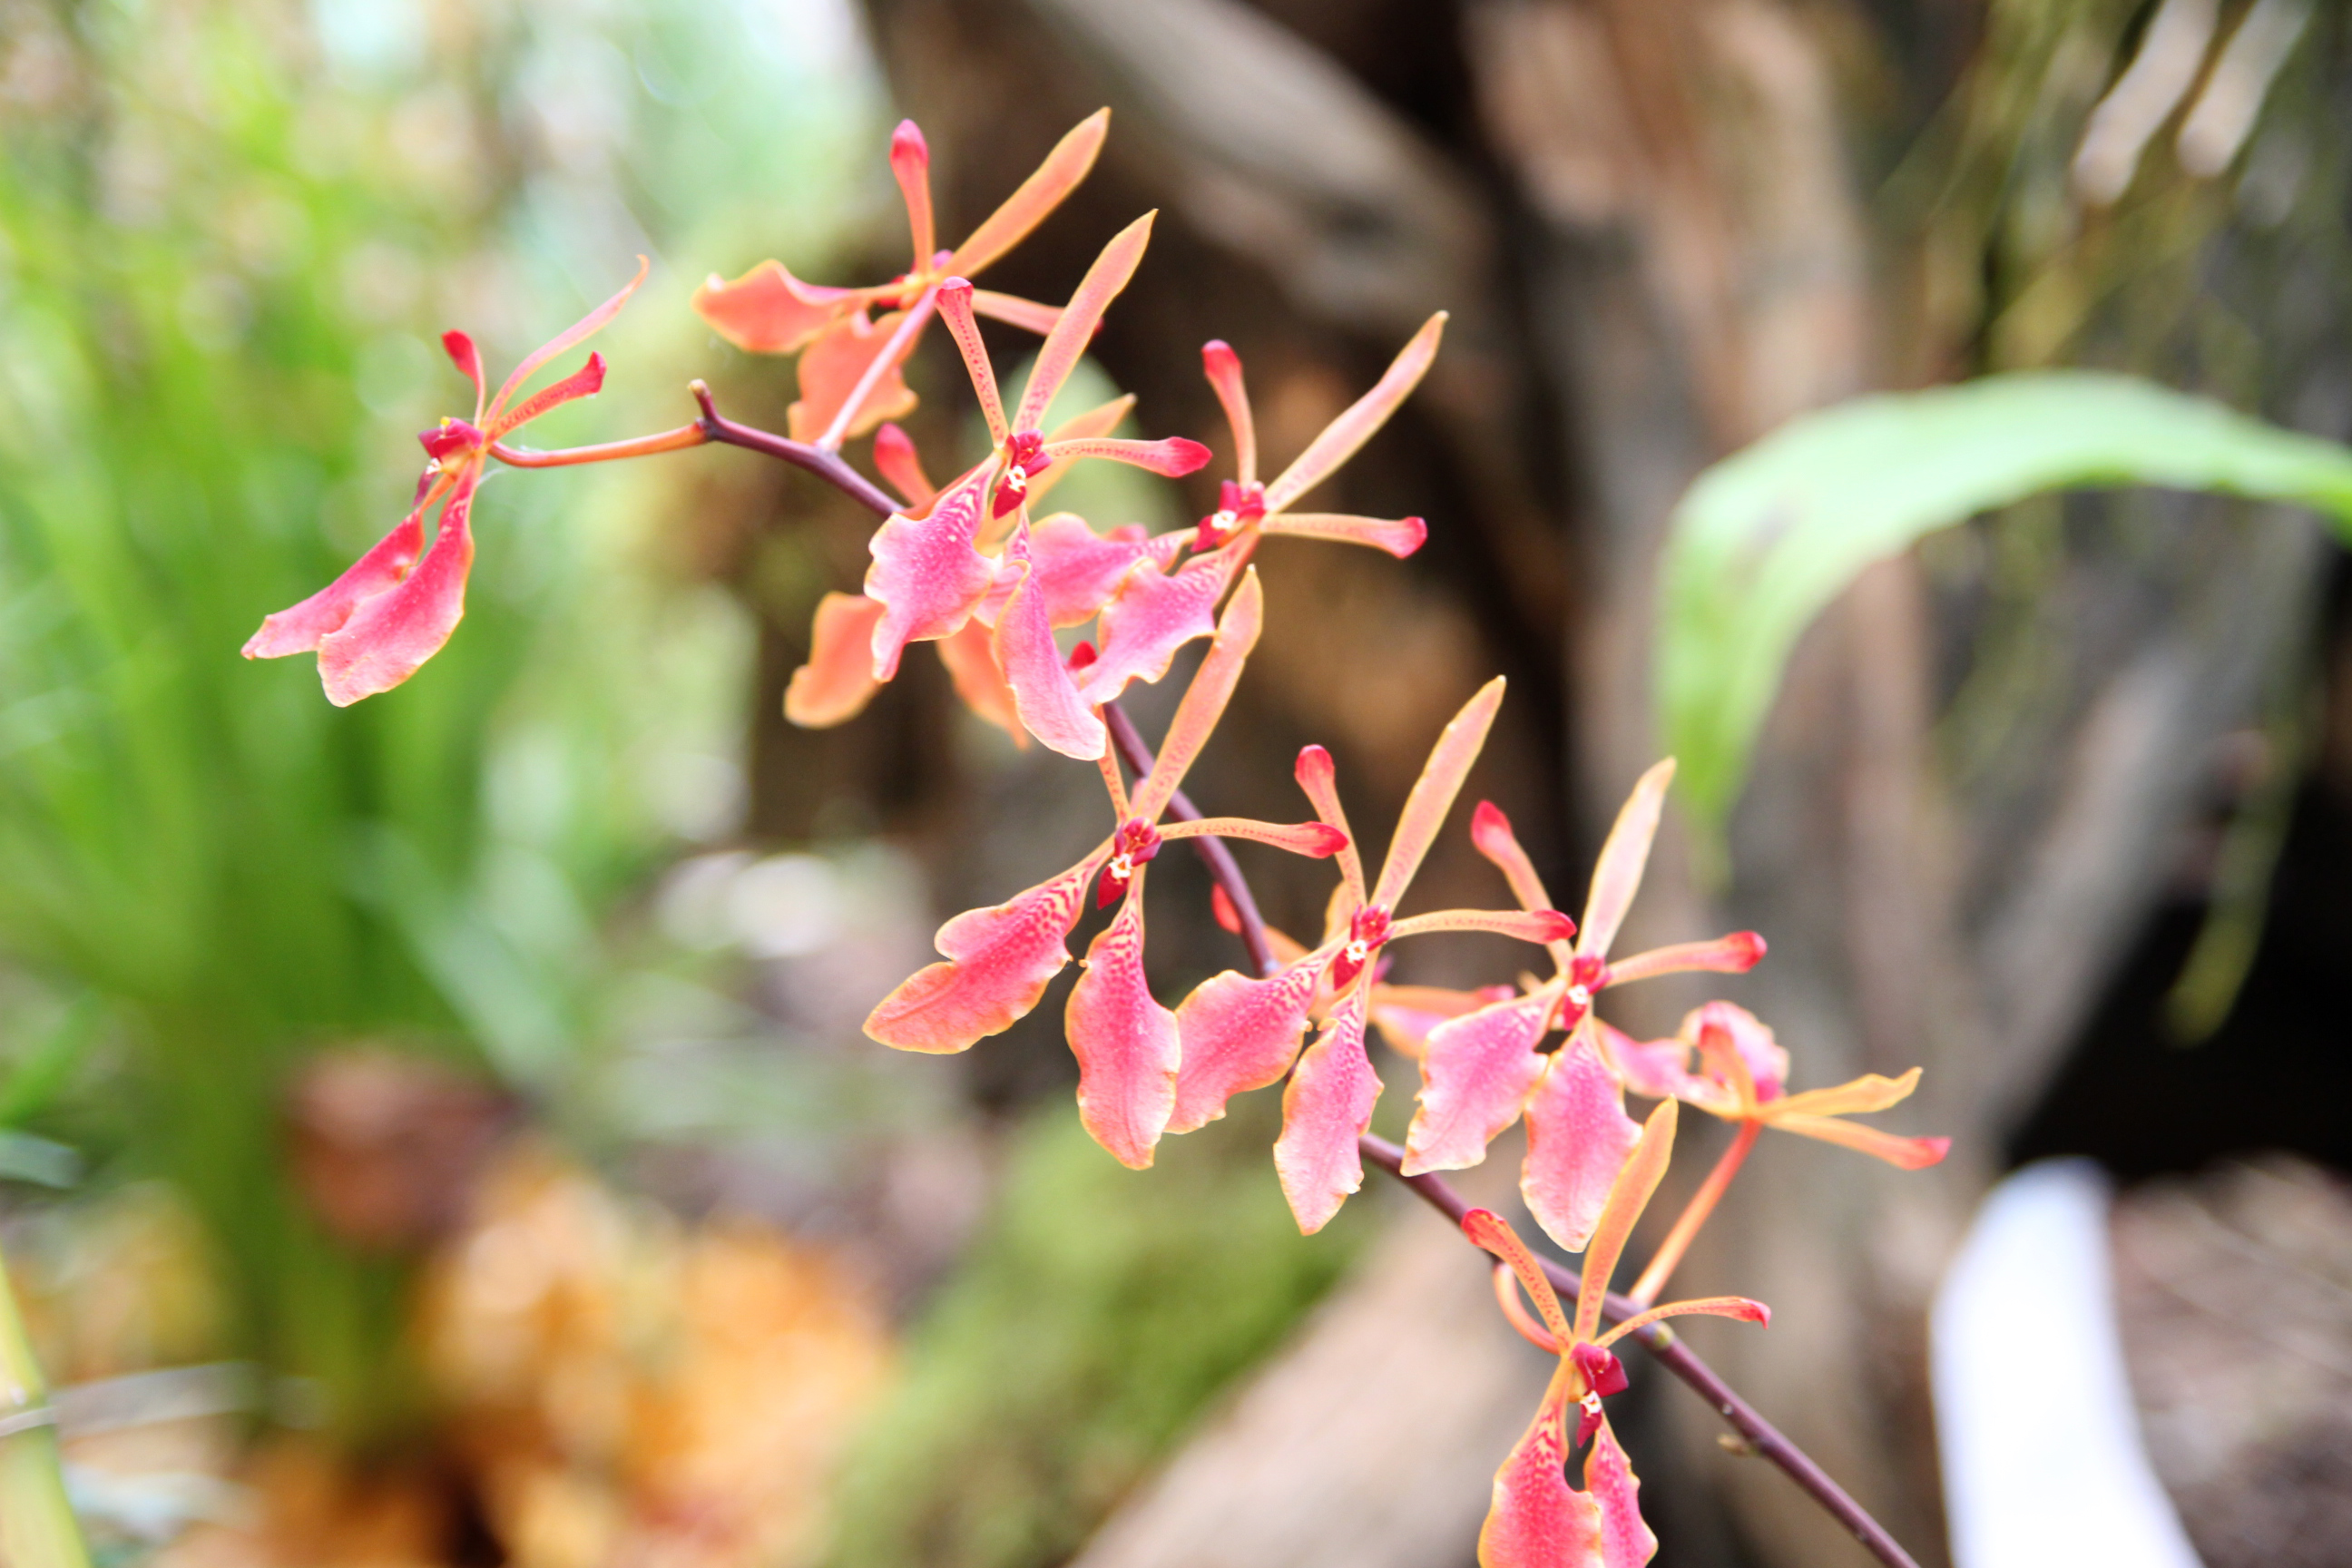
(397, 606)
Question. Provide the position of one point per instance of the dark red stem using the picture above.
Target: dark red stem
(826, 466)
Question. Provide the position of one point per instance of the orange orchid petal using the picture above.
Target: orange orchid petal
(386, 564)
(1126, 1042)
(1238, 1035)
(578, 331)
(926, 574)
(1320, 782)
(1399, 536)
(954, 299)
(1204, 700)
(1015, 311)
(1404, 1015)
(970, 656)
(1617, 875)
(999, 961)
(910, 165)
(1910, 1153)
(1737, 1307)
(1155, 614)
(1315, 839)
(1170, 457)
(1075, 326)
(386, 637)
(895, 455)
(1627, 1198)
(1609, 1481)
(1043, 693)
(837, 681)
(1487, 1229)
(769, 311)
(1476, 1071)
(1491, 834)
(1223, 369)
(1856, 1097)
(1536, 1518)
(1735, 954)
(1037, 196)
(832, 366)
(1341, 438)
(1433, 793)
(1578, 1140)
(1325, 1110)
(1526, 925)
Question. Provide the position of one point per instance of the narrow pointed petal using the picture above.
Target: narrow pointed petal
(1544, 926)
(1856, 1097)
(1155, 614)
(1404, 1015)
(1076, 327)
(1610, 1482)
(1617, 875)
(1204, 700)
(1399, 536)
(389, 635)
(1655, 1069)
(910, 165)
(468, 361)
(1126, 1042)
(925, 574)
(955, 309)
(1037, 196)
(1433, 793)
(1627, 1196)
(1320, 782)
(970, 656)
(1491, 834)
(832, 366)
(1238, 1035)
(578, 331)
(388, 562)
(585, 382)
(1910, 1153)
(1170, 457)
(1316, 840)
(999, 961)
(1015, 311)
(1223, 369)
(837, 681)
(895, 455)
(1325, 1110)
(1491, 1231)
(1079, 570)
(769, 311)
(1579, 1139)
(1043, 693)
(1476, 1072)
(1735, 954)
(1738, 1307)
(1100, 420)
(1536, 1518)
(1341, 438)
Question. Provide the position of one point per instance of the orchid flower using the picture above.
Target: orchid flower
(998, 961)
(1536, 1518)
(847, 355)
(1240, 1033)
(1481, 1069)
(395, 607)
(1158, 610)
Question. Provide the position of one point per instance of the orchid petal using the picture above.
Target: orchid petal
(1015, 311)
(387, 636)
(1579, 1139)
(1658, 1069)
(1399, 536)
(970, 656)
(837, 681)
(1404, 1015)
(1487, 1229)
(1037, 196)
(1490, 833)
(1126, 1042)
(299, 627)
(468, 361)
(1609, 1481)
(955, 309)
(832, 366)
(1324, 1110)
(1476, 1071)
(1433, 793)
(1204, 700)
(769, 311)
(1075, 326)
(1628, 1196)
(999, 961)
(1170, 457)
(1541, 926)
(1320, 782)
(895, 455)
(1100, 420)
(1536, 1518)
(1910, 1153)
(910, 165)
(1857, 1097)
(1736, 1307)
(1223, 369)
(1341, 438)
(1316, 840)
(1043, 693)
(1155, 614)
(1757, 1055)
(1735, 954)
(926, 574)
(1617, 875)
(585, 382)
(578, 331)
(1077, 569)
(1238, 1035)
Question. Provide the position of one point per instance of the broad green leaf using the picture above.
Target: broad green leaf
(1767, 537)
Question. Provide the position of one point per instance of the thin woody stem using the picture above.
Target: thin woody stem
(675, 440)
(876, 368)
(1694, 1214)
(826, 466)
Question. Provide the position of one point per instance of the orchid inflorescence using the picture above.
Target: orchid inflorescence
(972, 567)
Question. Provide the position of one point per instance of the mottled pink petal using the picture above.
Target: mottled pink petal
(955, 311)
(769, 311)
(1404, 1015)
(970, 656)
(1155, 614)
(1316, 840)
(895, 455)
(1223, 369)
(1763, 1057)
(1433, 793)
(1204, 700)
(1628, 1196)
(1038, 195)
(1734, 954)
(1239, 1035)
(1617, 875)
(1656, 1069)
(578, 331)
(1079, 570)
(925, 574)
(1475, 1073)
(832, 366)
(1578, 1138)
(1043, 693)
(1910, 1153)
(1075, 326)
(1325, 1110)
(1015, 311)
(1341, 438)
(910, 165)
(298, 628)
(1126, 1043)
(1536, 1519)
(1399, 536)
(1609, 1481)
(999, 961)
(1524, 925)
(1171, 457)
(837, 681)
(389, 635)
(1320, 782)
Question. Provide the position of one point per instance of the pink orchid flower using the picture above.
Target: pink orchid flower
(768, 310)
(998, 961)
(1239, 1034)
(1482, 1069)
(397, 604)
(1536, 1519)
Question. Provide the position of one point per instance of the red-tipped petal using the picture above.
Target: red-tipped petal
(895, 455)
(955, 309)
(1476, 1071)
(1204, 700)
(1617, 875)
(1075, 326)
(1038, 195)
(1536, 1518)
(389, 635)
(1628, 1196)
(832, 366)
(1157, 613)
(1221, 907)
(585, 382)
(1490, 833)
(1077, 570)
(1341, 438)
(1043, 693)
(1734, 954)
(1524, 925)
(910, 165)
(1319, 780)
(1223, 369)
(1316, 840)
(1171, 457)
(1740, 1308)
(1325, 1110)
(970, 656)
(1487, 1229)
(1610, 1482)
(1910, 1153)
(1433, 793)
(1126, 1042)
(999, 961)
(1015, 311)
(387, 563)
(1578, 1138)
(578, 331)
(1399, 536)
(769, 311)
(1238, 1035)
(925, 574)
(837, 681)
(468, 361)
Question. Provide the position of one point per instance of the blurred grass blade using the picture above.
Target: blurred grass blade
(1767, 537)
(37, 1524)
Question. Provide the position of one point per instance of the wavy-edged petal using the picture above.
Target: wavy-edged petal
(1074, 328)
(1540, 926)
(1476, 1072)
(970, 656)
(1320, 782)
(578, 331)
(1015, 311)
(1617, 874)
(837, 681)
(1404, 1015)
(1627, 1196)
(1536, 1519)
(832, 366)
(1610, 1482)
(1223, 369)
(1037, 196)
(1171, 457)
(1734, 954)
(387, 636)
(1326, 1108)
(1856, 1097)
(1239, 1034)
(1156, 613)
(1341, 438)
(1433, 793)
(1579, 1139)
(1910, 1153)
(1043, 693)
(1758, 1054)
(1204, 700)
(1655, 1069)
(1079, 570)
(895, 455)
(1126, 1042)
(925, 574)
(1399, 536)
(998, 963)
(769, 311)
(299, 627)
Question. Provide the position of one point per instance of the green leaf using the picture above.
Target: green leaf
(1767, 537)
